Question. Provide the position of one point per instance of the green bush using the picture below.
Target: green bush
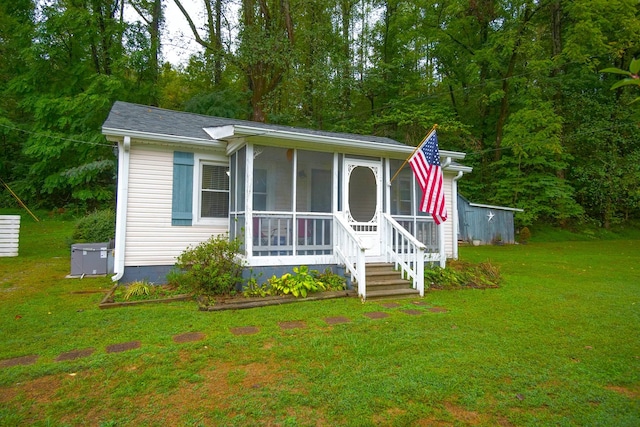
(99, 226)
(460, 274)
(210, 268)
(332, 281)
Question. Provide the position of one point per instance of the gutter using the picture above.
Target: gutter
(124, 154)
(331, 141)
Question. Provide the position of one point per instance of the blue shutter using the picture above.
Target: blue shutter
(182, 197)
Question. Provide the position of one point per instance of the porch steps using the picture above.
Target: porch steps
(385, 282)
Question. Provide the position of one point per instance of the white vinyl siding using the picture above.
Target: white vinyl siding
(449, 224)
(150, 237)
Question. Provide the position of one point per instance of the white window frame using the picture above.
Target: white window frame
(199, 161)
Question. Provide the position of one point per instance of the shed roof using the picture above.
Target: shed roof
(479, 205)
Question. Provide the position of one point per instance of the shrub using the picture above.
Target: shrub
(525, 235)
(99, 226)
(212, 267)
(298, 284)
(459, 274)
(332, 281)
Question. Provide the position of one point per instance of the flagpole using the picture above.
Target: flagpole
(414, 152)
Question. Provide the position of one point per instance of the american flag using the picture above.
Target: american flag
(425, 163)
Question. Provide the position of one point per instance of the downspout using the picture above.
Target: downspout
(121, 207)
(441, 247)
(456, 220)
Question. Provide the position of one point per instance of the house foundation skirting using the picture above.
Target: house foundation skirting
(157, 274)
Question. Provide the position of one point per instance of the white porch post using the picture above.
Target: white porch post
(443, 254)
(248, 202)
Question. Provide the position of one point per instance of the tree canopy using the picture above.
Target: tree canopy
(516, 84)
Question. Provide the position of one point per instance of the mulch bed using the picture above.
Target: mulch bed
(241, 302)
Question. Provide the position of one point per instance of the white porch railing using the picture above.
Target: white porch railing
(349, 249)
(405, 251)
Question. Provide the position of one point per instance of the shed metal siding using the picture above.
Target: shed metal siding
(150, 237)
(475, 223)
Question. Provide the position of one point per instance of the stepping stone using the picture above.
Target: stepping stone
(413, 312)
(420, 303)
(292, 325)
(75, 354)
(125, 346)
(390, 305)
(376, 315)
(244, 330)
(23, 360)
(337, 320)
(188, 337)
(438, 310)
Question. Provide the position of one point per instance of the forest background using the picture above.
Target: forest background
(517, 85)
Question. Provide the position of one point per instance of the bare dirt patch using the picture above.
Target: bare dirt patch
(75, 354)
(188, 337)
(463, 415)
(41, 390)
(631, 394)
(337, 320)
(376, 315)
(292, 325)
(125, 346)
(23, 360)
(245, 330)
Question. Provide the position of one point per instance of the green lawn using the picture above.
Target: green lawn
(557, 344)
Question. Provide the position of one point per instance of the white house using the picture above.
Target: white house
(293, 196)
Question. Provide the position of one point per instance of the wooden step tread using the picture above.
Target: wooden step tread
(395, 293)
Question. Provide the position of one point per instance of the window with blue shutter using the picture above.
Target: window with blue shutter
(182, 196)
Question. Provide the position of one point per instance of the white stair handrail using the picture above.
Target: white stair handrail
(405, 251)
(350, 250)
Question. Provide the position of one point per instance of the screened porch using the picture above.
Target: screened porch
(283, 203)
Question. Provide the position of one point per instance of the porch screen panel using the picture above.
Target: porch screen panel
(277, 164)
(241, 155)
(401, 201)
(314, 181)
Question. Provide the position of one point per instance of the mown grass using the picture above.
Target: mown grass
(556, 344)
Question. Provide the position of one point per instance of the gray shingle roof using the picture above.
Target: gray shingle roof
(140, 118)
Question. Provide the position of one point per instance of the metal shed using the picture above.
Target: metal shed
(485, 223)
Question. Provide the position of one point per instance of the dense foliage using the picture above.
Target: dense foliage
(516, 84)
(209, 268)
(99, 226)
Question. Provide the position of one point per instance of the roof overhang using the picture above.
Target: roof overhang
(332, 143)
(117, 135)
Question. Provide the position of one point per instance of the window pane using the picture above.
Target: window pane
(215, 177)
(215, 204)
(214, 200)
